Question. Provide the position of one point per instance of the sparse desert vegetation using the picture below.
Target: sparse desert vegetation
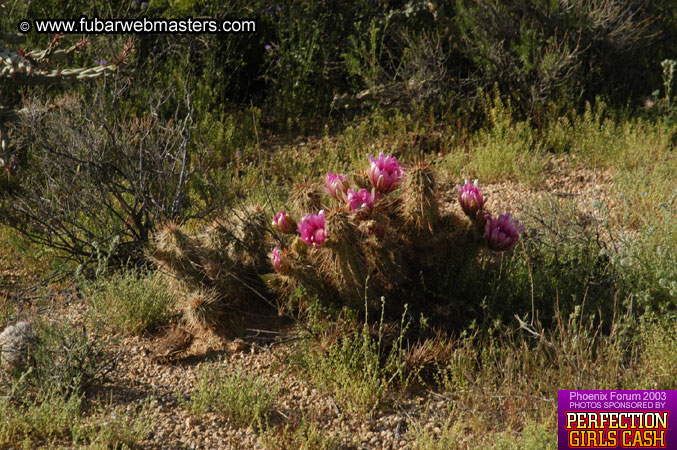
(275, 239)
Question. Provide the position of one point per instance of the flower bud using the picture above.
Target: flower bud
(470, 198)
(284, 223)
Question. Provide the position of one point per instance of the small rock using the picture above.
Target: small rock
(15, 341)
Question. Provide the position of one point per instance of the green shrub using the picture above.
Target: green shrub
(358, 364)
(304, 436)
(242, 399)
(350, 370)
(98, 180)
(535, 436)
(506, 149)
(500, 383)
(67, 358)
(43, 404)
(564, 264)
(115, 427)
(47, 418)
(650, 260)
(50, 418)
(132, 303)
(658, 360)
(554, 51)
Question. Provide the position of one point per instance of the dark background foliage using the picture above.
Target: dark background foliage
(309, 64)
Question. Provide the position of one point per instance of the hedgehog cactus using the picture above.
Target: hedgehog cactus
(225, 260)
(218, 236)
(250, 231)
(202, 309)
(275, 259)
(312, 230)
(419, 207)
(361, 202)
(336, 252)
(281, 261)
(306, 197)
(381, 253)
(239, 241)
(284, 223)
(177, 252)
(342, 261)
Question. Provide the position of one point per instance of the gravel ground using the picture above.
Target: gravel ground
(139, 376)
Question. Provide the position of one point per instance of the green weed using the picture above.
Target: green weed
(304, 436)
(132, 303)
(51, 418)
(237, 396)
(47, 418)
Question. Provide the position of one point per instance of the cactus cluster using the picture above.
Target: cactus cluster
(379, 232)
(217, 267)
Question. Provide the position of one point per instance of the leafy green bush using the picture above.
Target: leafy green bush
(506, 148)
(538, 52)
(500, 383)
(650, 262)
(304, 436)
(68, 359)
(350, 369)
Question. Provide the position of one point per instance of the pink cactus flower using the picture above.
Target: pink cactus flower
(470, 198)
(279, 259)
(276, 259)
(361, 202)
(284, 223)
(336, 185)
(385, 173)
(503, 233)
(312, 231)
